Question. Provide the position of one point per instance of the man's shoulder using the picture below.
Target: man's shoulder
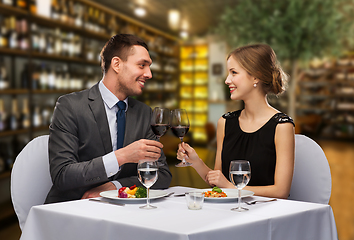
(138, 104)
(79, 95)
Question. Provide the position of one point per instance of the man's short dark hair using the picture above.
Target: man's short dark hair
(119, 46)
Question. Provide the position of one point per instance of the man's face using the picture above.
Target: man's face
(134, 72)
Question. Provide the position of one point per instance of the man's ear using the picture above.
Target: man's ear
(116, 64)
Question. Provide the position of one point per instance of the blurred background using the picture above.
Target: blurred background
(51, 47)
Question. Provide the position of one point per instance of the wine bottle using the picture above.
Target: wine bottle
(42, 42)
(43, 77)
(21, 4)
(35, 37)
(9, 155)
(12, 34)
(23, 40)
(4, 82)
(55, 10)
(3, 33)
(3, 116)
(50, 44)
(51, 78)
(25, 76)
(58, 78)
(64, 11)
(2, 161)
(25, 118)
(78, 14)
(71, 13)
(13, 120)
(37, 120)
(35, 77)
(33, 6)
(58, 42)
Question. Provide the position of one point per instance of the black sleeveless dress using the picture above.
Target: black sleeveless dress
(257, 147)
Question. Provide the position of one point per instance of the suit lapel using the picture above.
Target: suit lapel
(98, 110)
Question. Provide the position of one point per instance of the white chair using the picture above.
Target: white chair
(30, 177)
(312, 176)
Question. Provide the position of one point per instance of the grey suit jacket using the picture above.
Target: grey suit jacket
(79, 137)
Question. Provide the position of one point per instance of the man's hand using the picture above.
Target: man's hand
(138, 150)
(95, 192)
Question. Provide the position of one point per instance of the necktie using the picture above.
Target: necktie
(120, 124)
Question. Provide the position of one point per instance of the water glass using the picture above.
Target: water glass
(195, 200)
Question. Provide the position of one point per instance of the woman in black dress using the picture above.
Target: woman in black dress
(258, 133)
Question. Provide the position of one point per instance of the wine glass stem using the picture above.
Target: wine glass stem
(147, 197)
(183, 160)
(239, 198)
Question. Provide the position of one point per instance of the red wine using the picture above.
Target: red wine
(180, 131)
(160, 129)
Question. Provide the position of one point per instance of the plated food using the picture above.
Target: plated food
(132, 192)
(215, 193)
(154, 194)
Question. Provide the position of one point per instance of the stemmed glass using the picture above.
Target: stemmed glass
(240, 175)
(147, 175)
(180, 127)
(160, 123)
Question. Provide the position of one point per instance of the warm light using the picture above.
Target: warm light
(140, 12)
(183, 34)
(184, 25)
(174, 18)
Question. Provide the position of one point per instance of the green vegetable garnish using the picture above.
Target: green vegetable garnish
(216, 189)
(141, 192)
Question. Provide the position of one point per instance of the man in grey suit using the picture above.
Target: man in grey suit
(83, 153)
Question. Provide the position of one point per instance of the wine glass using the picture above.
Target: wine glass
(240, 175)
(160, 123)
(147, 175)
(180, 127)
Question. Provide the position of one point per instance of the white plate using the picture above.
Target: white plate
(154, 194)
(232, 194)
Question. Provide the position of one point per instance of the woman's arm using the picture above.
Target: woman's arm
(191, 156)
(215, 177)
(285, 153)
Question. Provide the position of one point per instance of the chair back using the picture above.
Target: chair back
(312, 176)
(30, 177)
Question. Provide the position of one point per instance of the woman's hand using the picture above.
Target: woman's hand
(216, 178)
(187, 152)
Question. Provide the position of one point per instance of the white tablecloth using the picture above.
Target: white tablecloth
(86, 220)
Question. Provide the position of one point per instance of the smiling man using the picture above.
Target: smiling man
(98, 135)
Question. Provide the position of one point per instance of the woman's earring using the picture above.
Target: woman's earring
(255, 85)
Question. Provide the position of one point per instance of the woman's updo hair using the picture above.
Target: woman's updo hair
(260, 61)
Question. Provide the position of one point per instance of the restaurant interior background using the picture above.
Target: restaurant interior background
(50, 48)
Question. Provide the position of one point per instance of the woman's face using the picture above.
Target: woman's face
(239, 81)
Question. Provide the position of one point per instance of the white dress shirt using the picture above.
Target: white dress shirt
(110, 100)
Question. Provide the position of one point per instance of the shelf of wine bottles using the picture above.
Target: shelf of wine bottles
(327, 95)
(45, 56)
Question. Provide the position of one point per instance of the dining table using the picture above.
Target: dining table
(91, 220)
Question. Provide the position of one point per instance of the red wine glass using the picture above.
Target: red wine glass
(180, 127)
(160, 123)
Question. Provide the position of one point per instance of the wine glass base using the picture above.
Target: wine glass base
(239, 209)
(183, 164)
(148, 207)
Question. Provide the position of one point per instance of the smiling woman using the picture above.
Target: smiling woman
(258, 133)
